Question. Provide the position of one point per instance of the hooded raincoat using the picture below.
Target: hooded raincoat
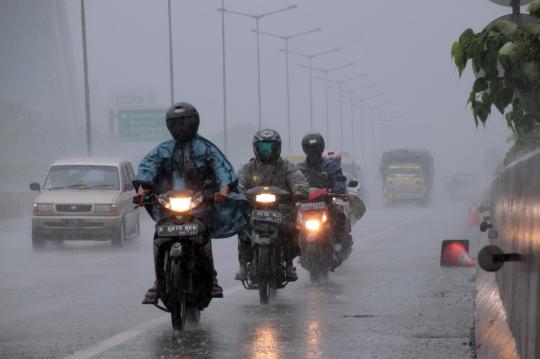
(196, 165)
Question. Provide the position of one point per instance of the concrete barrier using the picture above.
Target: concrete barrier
(515, 213)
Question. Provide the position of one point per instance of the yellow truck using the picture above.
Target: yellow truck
(407, 176)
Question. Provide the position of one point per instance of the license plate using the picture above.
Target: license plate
(178, 230)
(267, 216)
(72, 223)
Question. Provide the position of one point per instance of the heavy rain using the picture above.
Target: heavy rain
(285, 179)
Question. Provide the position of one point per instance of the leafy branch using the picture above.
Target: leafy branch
(506, 61)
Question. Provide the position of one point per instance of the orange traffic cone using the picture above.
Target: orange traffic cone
(456, 253)
(474, 217)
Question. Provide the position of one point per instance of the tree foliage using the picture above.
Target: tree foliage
(506, 60)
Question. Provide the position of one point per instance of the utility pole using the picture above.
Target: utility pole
(286, 38)
(86, 85)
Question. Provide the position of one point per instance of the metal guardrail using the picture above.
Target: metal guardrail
(515, 215)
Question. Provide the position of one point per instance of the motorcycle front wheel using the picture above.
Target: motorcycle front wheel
(177, 301)
(264, 274)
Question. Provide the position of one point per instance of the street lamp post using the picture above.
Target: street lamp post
(340, 88)
(310, 58)
(171, 72)
(257, 18)
(325, 72)
(224, 81)
(286, 38)
(86, 85)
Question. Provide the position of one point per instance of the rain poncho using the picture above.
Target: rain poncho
(281, 174)
(195, 165)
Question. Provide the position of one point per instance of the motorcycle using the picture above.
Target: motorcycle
(186, 282)
(267, 271)
(319, 252)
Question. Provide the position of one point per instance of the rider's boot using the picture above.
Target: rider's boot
(152, 295)
(242, 272)
(290, 272)
(245, 255)
(217, 291)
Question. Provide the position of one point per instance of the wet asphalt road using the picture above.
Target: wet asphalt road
(391, 299)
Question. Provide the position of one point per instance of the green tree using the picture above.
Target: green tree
(506, 60)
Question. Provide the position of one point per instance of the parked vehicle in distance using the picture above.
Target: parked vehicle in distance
(85, 198)
(462, 185)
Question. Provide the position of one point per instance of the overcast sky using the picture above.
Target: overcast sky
(402, 47)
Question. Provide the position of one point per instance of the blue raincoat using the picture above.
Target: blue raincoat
(172, 165)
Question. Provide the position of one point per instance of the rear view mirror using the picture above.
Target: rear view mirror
(352, 183)
(34, 186)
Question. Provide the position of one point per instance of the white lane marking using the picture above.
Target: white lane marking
(390, 229)
(129, 334)
(100, 259)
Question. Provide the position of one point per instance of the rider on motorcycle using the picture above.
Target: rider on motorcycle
(269, 169)
(188, 161)
(326, 173)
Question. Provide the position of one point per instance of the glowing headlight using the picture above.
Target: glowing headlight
(265, 198)
(313, 225)
(180, 204)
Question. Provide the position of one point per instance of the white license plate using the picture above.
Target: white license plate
(72, 223)
(266, 216)
(178, 230)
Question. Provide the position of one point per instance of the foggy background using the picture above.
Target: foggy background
(402, 47)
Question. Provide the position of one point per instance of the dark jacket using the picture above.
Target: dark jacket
(324, 174)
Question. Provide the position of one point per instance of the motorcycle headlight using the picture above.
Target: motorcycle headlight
(180, 204)
(313, 222)
(265, 198)
(313, 225)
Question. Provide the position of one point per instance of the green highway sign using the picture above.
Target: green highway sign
(145, 125)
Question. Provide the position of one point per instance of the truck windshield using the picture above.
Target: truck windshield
(82, 177)
(408, 172)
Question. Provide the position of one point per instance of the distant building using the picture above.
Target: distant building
(40, 102)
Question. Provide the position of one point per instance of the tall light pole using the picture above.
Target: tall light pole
(257, 18)
(361, 102)
(286, 38)
(171, 72)
(340, 88)
(224, 81)
(86, 85)
(310, 58)
(325, 72)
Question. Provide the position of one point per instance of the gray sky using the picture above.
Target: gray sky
(403, 47)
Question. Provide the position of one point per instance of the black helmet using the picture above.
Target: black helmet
(313, 144)
(267, 145)
(182, 121)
